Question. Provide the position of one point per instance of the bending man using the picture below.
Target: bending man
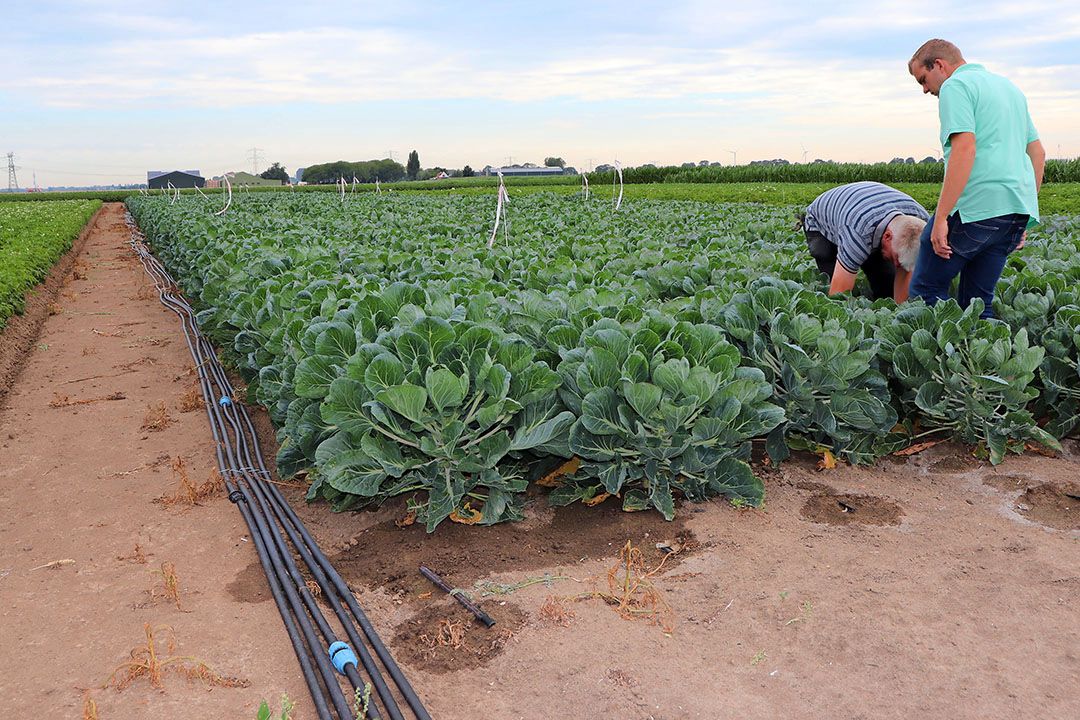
(988, 198)
(868, 226)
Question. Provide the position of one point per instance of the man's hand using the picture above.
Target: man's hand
(1023, 240)
(957, 172)
(939, 238)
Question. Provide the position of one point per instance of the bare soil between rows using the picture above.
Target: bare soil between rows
(929, 586)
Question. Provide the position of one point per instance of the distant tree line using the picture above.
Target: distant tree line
(366, 171)
(275, 172)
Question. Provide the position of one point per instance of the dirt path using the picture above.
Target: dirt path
(78, 483)
(933, 586)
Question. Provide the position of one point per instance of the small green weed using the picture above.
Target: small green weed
(286, 710)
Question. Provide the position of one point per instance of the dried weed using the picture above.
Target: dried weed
(89, 710)
(146, 662)
(554, 612)
(191, 400)
(60, 401)
(621, 678)
(187, 492)
(137, 556)
(157, 417)
(170, 584)
(449, 634)
(631, 591)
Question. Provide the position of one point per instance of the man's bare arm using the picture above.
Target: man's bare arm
(957, 173)
(901, 284)
(1037, 154)
(842, 280)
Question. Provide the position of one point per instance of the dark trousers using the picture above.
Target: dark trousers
(880, 272)
(979, 252)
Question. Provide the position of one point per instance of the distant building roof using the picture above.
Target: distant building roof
(522, 170)
(239, 177)
(175, 178)
(151, 174)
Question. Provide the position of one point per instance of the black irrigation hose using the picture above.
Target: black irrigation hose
(263, 532)
(273, 526)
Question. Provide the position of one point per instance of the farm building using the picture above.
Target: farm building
(244, 179)
(159, 179)
(524, 171)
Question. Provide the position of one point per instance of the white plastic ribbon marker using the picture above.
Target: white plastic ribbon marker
(500, 211)
(618, 178)
(228, 186)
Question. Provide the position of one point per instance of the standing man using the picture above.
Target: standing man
(989, 197)
(865, 225)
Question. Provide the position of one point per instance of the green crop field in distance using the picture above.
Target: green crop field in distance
(33, 236)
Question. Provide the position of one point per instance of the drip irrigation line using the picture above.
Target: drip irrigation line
(274, 526)
(321, 567)
(233, 417)
(284, 512)
(299, 631)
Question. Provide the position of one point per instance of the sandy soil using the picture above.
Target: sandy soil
(929, 586)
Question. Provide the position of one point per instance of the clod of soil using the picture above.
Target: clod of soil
(388, 556)
(960, 463)
(445, 637)
(1008, 483)
(836, 509)
(1052, 505)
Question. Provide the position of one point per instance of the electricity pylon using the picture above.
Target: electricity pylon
(12, 181)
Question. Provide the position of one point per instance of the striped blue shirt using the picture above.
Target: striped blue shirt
(854, 217)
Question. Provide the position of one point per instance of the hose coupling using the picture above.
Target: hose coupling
(341, 655)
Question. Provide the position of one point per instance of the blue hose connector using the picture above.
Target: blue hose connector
(341, 655)
(225, 401)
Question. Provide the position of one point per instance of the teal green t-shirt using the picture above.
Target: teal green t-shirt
(1002, 179)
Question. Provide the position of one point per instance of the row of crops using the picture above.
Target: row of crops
(32, 237)
(399, 354)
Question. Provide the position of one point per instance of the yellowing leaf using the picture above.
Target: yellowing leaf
(1039, 449)
(917, 448)
(567, 468)
(470, 516)
(828, 460)
(597, 500)
(409, 519)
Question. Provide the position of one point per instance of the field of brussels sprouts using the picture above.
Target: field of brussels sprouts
(398, 354)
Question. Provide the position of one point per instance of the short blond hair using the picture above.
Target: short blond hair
(936, 49)
(906, 231)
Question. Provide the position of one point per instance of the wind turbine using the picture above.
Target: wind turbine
(734, 157)
(804, 153)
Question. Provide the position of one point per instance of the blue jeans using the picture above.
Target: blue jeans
(979, 252)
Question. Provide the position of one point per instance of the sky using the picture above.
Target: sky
(99, 92)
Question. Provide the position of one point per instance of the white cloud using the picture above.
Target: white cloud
(775, 74)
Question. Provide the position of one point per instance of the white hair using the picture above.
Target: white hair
(906, 230)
